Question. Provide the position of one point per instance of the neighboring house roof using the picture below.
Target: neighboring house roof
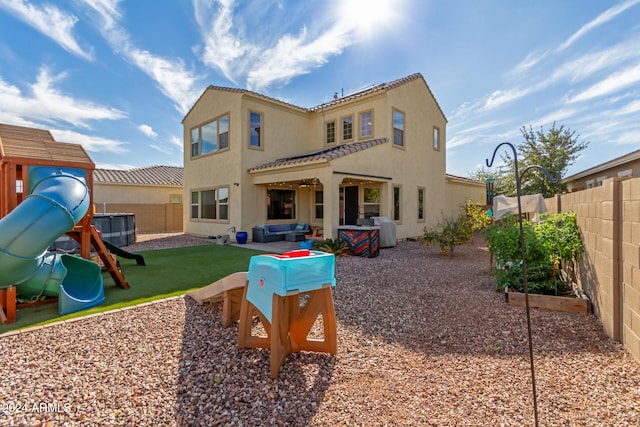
(350, 97)
(323, 154)
(464, 180)
(618, 161)
(38, 144)
(151, 175)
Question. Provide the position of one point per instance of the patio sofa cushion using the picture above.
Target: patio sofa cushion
(274, 232)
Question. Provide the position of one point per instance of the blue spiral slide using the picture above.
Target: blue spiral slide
(58, 198)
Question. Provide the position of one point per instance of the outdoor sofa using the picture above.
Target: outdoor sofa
(275, 232)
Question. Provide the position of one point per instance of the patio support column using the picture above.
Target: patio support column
(331, 200)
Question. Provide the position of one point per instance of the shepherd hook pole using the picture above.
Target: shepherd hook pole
(524, 261)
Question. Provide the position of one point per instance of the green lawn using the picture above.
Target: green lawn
(168, 272)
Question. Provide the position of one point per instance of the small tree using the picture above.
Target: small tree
(454, 232)
(448, 234)
(554, 150)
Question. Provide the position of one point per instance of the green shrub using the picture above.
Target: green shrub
(503, 239)
(555, 238)
(560, 237)
(477, 216)
(448, 234)
(335, 246)
(540, 279)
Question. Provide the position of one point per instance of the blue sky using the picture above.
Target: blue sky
(118, 76)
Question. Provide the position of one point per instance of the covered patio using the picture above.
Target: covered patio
(316, 188)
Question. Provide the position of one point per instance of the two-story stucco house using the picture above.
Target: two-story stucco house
(252, 160)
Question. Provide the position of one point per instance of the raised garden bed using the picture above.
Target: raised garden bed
(550, 302)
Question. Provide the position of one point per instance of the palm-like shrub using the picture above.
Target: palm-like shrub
(335, 246)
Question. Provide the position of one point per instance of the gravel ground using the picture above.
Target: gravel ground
(423, 340)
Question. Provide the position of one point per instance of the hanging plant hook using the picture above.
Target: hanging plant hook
(524, 260)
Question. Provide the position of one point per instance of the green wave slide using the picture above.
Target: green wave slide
(58, 198)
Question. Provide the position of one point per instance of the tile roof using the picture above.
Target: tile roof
(350, 97)
(38, 144)
(618, 161)
(365, 92)
(326, 154)
(151, 175)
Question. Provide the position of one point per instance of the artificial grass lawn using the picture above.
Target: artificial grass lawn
(168, 272)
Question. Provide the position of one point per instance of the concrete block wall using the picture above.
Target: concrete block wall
(630, 271)
(150, 218)
(609, 220)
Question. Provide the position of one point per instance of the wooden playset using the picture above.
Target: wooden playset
(21, 148)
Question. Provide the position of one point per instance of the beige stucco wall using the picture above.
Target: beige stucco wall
(228, 168)
(289, 130)
(458, 192)
(154, 206)
(125, 193)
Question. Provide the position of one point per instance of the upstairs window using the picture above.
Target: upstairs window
(436, 138)
(255, 128)
(195, 142)
(347, 128)
(398, 128)
(366, 124)
(210, 137)
(330, 132)
(223, 132)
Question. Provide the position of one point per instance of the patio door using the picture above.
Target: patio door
(350, 205)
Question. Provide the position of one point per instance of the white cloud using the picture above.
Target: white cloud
(222, 47)
(51, 22)
(589, 64)
(148, 131)
(266, 62)
(630, 108)
(176, 141)
(501, 97)
(115, 166)
(612, 84)
(89, 142)
(555, 116)
(601, 19)
(294, 56)
(629, 137)
(107, 10)
(161, 148)
(530, 61)
(174, 80)
(48, 104)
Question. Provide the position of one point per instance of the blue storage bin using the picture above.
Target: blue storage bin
(299, 271)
